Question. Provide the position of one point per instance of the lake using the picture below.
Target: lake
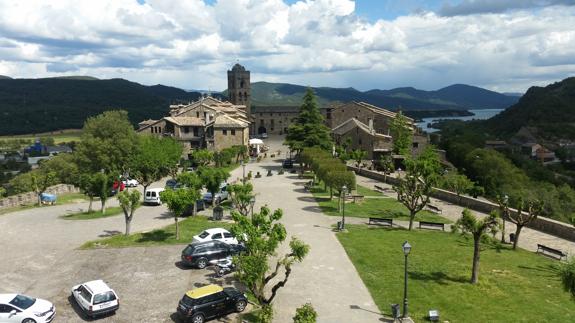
(479, 114)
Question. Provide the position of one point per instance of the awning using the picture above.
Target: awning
(256, 142)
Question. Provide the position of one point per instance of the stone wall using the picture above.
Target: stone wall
(31, 197)
(222, 141)
(543, 224)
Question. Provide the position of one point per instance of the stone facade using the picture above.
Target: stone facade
(360, 136)
(239, 88)
(374, 117)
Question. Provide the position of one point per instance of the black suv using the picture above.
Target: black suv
(200, 254)
(210, 301)
(287, 163)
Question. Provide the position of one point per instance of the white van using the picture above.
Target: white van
(153, 196)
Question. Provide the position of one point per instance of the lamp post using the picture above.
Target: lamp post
(252, 202)
(244, 172)
(343, 193)
(406, 249)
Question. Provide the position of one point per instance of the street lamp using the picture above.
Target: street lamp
(344, 193)
(406, 249)
(252, 202)
(244, 172)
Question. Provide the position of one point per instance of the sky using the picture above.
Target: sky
(502, 45)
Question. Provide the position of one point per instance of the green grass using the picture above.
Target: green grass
(164, 236)
(111, 211)
(371, 207)
(59, 136)
(514, 286)
(362, 190)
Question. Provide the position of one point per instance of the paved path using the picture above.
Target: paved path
(528, 240)
(327, 277)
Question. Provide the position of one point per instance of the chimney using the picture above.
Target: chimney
(370, 122)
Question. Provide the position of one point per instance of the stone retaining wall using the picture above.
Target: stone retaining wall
(32, 198)
(546, 225)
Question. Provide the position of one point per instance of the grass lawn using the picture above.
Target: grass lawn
(371, 207)
(514, 286)
(110, 211)
(59, 136)
(164, 236)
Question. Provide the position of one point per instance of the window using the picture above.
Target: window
(271, 129)
(261, 122)
(225, 132)
(415, 145)
(104, 297)
(228, 235)
(272, 122)
(233, 132)
(195, 131)
(360, 141)
(217, 236)
(6, 308)
(271, 114)
(197, 114)
(186, 129)
(85, 293)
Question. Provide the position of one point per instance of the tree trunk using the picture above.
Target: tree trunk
(103, 209)
(146, 188)
(330, 193)
(213, 198)
(90, 205)
(39, 198)
(128, 225)
(195, 209)
(517, 232)
(177, 228)
(411, 218)
(503, 230)
(476, 250)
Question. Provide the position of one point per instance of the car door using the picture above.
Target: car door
(217, 236)
(7, 317)
(83, 297)
(215, 304)
(229, 238)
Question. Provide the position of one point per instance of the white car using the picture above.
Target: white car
(218, 234)
(25, 309)
(96, 298)
(130, 182)
(152, 196)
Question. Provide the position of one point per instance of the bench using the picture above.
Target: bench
(433, 208)
(357, 198)
(431, 225)
(379, 188)
(551, 251)
(381, 221)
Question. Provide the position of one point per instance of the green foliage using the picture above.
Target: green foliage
(262, 234)
(457, 183)
(305, 314)
(241, 195)
(202, 157)
(358, 155)
(567, 275)
(2, 192)
(265, 314)
(108, 143)
(178, 201)
(212, 178)
(154, 158)
(402, 135)
(308, 130)
(129, 202)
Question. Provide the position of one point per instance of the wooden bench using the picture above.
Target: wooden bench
(433, 208)
(551, 251)
(379, 188)
(381, 221)
(430, 225)
(357, 198)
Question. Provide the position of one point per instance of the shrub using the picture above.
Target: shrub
(567, 274)
(265, 315)
(305, 314)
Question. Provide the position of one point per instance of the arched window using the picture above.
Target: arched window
(241, 84)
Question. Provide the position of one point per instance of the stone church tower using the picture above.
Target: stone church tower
(239, 89)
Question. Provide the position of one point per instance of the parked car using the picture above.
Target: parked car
(96, 298)
(204, 303)
(130, 182)
(48, 199)
(171, 183)
(200, 206)
(287, 163)
(200, 254)
(218, 234)
(25, 309)
(220, 196)
(152, 196)
(264, 135)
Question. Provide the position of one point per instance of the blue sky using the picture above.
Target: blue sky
(503, 45)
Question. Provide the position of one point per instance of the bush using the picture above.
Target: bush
(567, 274)
(265, 315)
(305, 314)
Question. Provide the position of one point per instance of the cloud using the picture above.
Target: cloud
(471, 7)
(190, 44)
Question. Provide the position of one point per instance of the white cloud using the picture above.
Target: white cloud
(190, 44)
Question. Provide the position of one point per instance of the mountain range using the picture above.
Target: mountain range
(47, 104)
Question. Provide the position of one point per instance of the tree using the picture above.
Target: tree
(88, 186)
(129, 202)
(567, 275)
(525, 213)
(386, 165)
(212, 178)
(64, 167)
(202, 157)
(155, 157)
(193, 183)
(358, 155)
(37, 181)
(420, 175)
(241, 196)
(308, 129)
(2, 192)
(178, 201)
(108, 143)
(457, 183)
(468, 223)
(102, 185)
(241, 153)
(262, 235)
(305, 314)
(402, 135)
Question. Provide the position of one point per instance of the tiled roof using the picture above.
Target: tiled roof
(225, 121)
(353, 123)
(185, 121)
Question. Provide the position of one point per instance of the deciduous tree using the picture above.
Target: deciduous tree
(129, 202)
(241, 196)
(154, 158)
(358, 155)
(402, 135)
(526, 211)
(468, 223)
(212, 178)
(178, 201)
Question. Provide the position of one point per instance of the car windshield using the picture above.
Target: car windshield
(104, 297)
(204, 234)
(188, 300)
(22, 301)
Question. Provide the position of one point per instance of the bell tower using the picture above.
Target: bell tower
(239, 89)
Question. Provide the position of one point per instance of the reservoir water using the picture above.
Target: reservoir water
(479, 114)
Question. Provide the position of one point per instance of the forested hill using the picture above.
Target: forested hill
(549, 112)
(40, 105)
(453, 97)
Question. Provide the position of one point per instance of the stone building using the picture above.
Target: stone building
(207, 123)
(239, 88)
(360, 136)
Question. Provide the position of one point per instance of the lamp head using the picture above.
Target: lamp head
(344, 189)
(406, 248)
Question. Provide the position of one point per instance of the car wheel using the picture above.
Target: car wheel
(28, 321)
(202, 263)
(241, 306)
(198, 318)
